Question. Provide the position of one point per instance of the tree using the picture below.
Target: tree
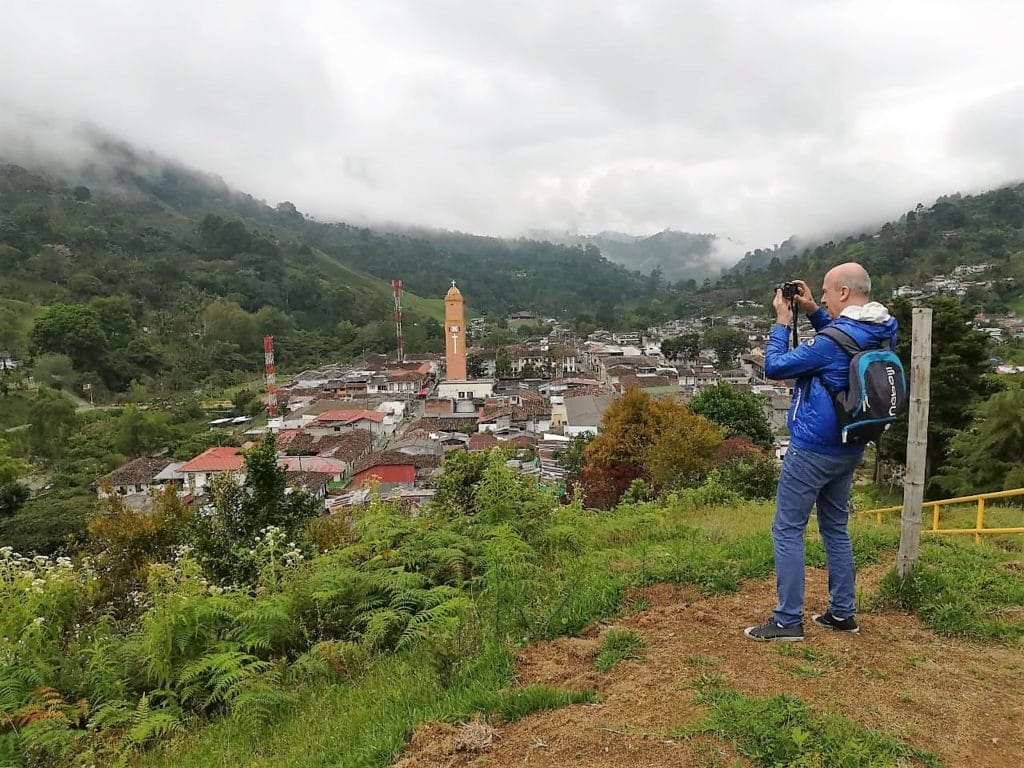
(502, 363)
(126, 543)
(242, 512)
(137, 432)
(11, 468)
(12, 498)
(53, 370)
(247, 402)
(73, 330)
(475, 366)
(52, 420)
(572, 457)
(657, 440)
(740, 413)
(960, 357)
(727, 342)
(989, 455)
(463, 471)
(685, 347)
(50, 522)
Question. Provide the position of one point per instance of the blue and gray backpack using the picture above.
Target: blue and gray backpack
(877, 393)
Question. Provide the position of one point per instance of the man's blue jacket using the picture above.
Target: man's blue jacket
(812, 421)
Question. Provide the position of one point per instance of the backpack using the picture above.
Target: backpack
(877, 392)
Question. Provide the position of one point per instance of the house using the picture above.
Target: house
(392, 468)
(735, 377)
(465, 423)
(138, 476)
(517, 319)
(525, 411)
(644, 382)
(452, 441)
(333, 467)
(753, 365)
(416, 443)
(482, 442)
(347, 446)
(314, 483)
(583, 414)
(375, 422)
(776, 408)
(199, 470)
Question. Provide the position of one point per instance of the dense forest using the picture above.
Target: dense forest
(120, 294)
(496, 275)
(956, 230)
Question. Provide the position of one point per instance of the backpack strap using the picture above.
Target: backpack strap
(843, 339)
(847, 343)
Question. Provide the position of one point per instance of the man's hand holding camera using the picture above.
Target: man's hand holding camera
(795, 292)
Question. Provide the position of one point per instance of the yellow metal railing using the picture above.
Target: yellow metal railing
(979, 523)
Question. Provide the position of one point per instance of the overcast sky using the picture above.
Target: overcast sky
(750, 119)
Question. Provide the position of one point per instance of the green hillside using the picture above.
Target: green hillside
(956, 230)
(131, 291)
(496, 275)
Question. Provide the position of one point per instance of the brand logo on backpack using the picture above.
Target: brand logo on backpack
(894, 398)
(877, 393)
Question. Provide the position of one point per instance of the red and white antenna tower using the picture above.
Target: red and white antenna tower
(271, 371)
(396, 287)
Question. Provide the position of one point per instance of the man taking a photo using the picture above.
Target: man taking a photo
(818, 467)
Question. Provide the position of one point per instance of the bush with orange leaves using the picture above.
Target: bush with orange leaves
(657, 440)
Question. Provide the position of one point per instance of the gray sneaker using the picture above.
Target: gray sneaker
(772, 630)
(829, 621)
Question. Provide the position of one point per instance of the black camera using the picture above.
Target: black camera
(789, 290)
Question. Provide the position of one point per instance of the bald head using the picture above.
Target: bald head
(847, 285)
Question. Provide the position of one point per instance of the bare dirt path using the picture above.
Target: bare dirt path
(960, 700)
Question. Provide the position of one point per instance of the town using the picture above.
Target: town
(386, 423)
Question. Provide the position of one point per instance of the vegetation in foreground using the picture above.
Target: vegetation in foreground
(245, 643)
(781, 730)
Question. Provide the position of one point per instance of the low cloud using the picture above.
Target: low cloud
(751, 120)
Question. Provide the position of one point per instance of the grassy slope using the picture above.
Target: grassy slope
(364, 723)
(432, 308)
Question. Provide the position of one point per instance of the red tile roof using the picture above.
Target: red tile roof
(395, 458)
(348, 417)
(219, 459)
(482, 442)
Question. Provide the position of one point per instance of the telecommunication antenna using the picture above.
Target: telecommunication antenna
(271, 373)
(396, 288)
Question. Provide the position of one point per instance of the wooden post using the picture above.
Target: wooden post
(917, 440)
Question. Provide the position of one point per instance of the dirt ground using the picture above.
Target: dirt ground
(963, 701)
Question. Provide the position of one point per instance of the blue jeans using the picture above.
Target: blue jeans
(810, 478)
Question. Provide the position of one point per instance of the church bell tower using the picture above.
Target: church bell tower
(455, 335)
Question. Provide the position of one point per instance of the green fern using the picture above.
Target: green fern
(266, 624)
(217, 677)
(155, 724)
(261, 696)
(438, 622)
(328, 661)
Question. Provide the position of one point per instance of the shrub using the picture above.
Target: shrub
(755, 476)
